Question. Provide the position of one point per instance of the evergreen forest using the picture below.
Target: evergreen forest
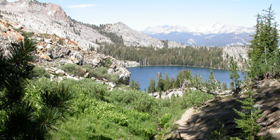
(149, 56)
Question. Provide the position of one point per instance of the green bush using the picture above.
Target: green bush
(60, 41)
(87, 87)
(193, 98)
(39, 72)
(101, 72)
(74, 69)
(24, 33)
(99, 113)
(164, 119)
(108, 62)
(27, 34)
(138, 100)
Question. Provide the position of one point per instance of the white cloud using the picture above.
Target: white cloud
(82, 6)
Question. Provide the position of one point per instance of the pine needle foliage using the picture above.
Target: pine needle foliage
(263, 52)
(234, 76)
(248, 118)
(22, 117)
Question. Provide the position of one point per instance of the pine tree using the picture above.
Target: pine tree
(200, 82)
(137, 85)
(225, 86)
(212, 85)
(179, 79)
(131, 84)
(248, 119)
(211, 82)
(22, 120)
(234, 76)
(172, 82)
(152, 86)
(160, 83)
(187, 74)
(263, 49)
(167, 84)
(194, 81)
(15, 69)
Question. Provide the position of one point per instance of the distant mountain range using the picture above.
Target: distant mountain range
(217, 34)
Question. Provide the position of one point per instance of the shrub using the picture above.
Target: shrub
(87, 87)
(39, 72)
(74, 69)
(60, 41)
(163, 120)
(108, 62)
(101, 72)
(193, 98)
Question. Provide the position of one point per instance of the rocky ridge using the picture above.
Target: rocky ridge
(239, 54)
(52, 52)
(51, 19)
(135, 38)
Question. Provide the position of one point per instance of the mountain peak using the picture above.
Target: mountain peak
(215, 34)
(214, 28)
(56, 12)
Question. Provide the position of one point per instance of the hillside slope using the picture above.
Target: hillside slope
(52, 19)
(135, 38)
(204, 120)
(53, 52)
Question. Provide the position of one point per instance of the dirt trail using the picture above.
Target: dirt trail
(183, 123)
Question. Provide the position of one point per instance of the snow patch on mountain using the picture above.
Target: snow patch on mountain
(191, 41)
(209, 37)
(215, 28)
(216, 34)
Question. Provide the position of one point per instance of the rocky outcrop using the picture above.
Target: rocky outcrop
(63, 75)
(51, 19)
(239, 53)
(130, 64)
(53, 51)
(168, 93)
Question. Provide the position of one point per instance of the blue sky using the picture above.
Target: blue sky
(140, 14)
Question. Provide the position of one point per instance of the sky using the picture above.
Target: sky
(140, 14)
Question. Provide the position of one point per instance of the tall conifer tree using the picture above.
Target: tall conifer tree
(263, 50)
(152, 86)
(234, 76)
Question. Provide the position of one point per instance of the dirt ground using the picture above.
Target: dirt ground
(183, 123)
(197, 123)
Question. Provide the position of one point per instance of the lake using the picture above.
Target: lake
(145, 73)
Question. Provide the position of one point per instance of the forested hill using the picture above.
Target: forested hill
(216, 57)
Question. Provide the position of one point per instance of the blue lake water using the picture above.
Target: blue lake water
(145, 73)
